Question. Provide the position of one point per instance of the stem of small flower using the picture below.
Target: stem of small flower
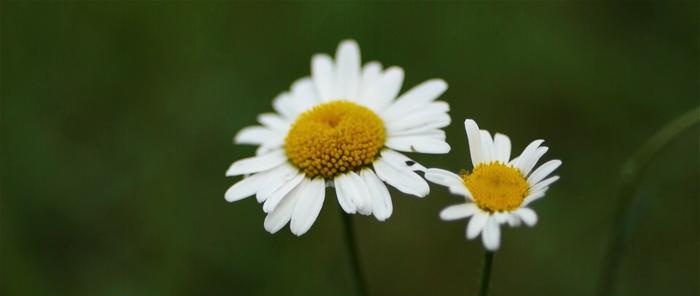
(351, 243)
(628, 207)
(486, 273)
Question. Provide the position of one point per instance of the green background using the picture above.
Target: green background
(117, 120)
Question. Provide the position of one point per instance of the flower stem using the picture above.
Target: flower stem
(628, 207)
(486, 273)
(351, 243)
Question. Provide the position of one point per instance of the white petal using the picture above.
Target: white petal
(284, 105)
(526, 167)
(543, 171)
(253, 135)
(275, 179)
(434, 114)
(386, 89)
(371, 74)
(419, 131)
(524, 157)
(256, 163)
(274, 122)
(276, 196)
(501, 144)
(402, 179)
(244, 188)
(416, 98)
(419, 144)
(459, 211)
(533, 197)
(343, 199)
(513, 220)
(474, 138)
(323, 76)
(487, 149)
(492, 235)
(401, 161)
(476, 224)
(381, 200)
(527, 215)
(359, 194)
(275, 220)
(544, 183)
(348, 65)
(448, 179)
(304, 94)
(308, 207)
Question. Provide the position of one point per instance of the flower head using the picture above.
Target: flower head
(498, 190)
(342, 127)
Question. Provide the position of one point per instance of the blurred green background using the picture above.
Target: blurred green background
(117, 120)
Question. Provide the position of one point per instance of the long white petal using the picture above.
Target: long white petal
(359, 194)
(245, 187)
(371, 74)
(476, 224)
(343, 199)
(415, 98)
(253, 135)
(487, 149)
(526, 166)
(276, 196)
(544, 183)
(275, 179)
(543, 171)
(274, 122)
(275, 220)
(323, 76)
(492, 235)
(419, 144)
(474, 138)
(502, 148)
(386, 89)
(256, 163)
(308, 207)
(381, 200)
(527, 215)
(523, 158)
(434, 114)
(459, 211)
(402, 179)
(401, 161)
(448, 179)
(348, 65)
(304, 94)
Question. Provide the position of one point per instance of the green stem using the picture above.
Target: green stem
(628, 207)
(486, 273)
(360, 284)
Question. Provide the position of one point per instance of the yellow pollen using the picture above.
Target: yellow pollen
(334, 138)
(496, 187)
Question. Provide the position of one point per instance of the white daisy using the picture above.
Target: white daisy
(341, 127)
(497, 190)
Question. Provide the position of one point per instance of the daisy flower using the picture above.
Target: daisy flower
(498, 190)
(342, 127)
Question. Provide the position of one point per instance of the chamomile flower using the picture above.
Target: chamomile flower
(498, 190)
(343, 127)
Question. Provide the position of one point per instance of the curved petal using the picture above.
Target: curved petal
(476, 224)
(402, 179)
(415, 98)
(474, 138)
(492, 235)
(543, 171)
(257, 163)
(254, 135)
(419, 144)
(459, 211)
(323, 76)
(527, 215)
(348, 65)
(275, 220)
(379, 194)
(448, 179)
(502, 146)
(308, 206)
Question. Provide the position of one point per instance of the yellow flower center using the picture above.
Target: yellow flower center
(496, 187)
(334, 138)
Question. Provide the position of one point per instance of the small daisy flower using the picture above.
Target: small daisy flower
(342, 127)
(498, 190)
